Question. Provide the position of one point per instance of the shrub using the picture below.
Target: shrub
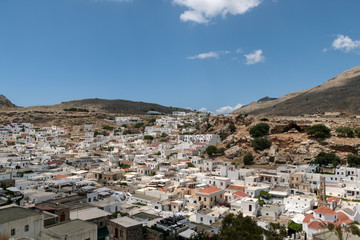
(148, 137)
(139, 125)
(260, 130)
(223, 136)
(327, 158)
(319, 131)
(357, 132)
(232, 128)
(190, 164)
(345, 132)
(261, 144)
(107, 127)
(353, 160)
(248, 159)
(75, 110)
(221, 150)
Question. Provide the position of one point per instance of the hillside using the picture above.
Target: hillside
(341, 93)
(5, 103)
(107, 106)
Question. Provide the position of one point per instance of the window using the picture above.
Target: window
(13, 232)
(250, 208)
(201, 219)
(26, 228)
(121, 233)
(116, 233)
(204, 199)
(199, 198)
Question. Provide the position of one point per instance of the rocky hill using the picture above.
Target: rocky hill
(5, 103)
(341, 93)
(106, 106)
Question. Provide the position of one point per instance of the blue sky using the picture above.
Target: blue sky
(185, 53)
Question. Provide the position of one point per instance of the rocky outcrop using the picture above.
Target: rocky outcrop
(4, 102)
(233, 152)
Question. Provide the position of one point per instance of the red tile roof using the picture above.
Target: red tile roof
(325, 210)
(144, 167)
(331, 199)
(235, 187)
(209, 190)
(342, 218)
(60, 176)
(317, 225)
(307, 218)
(240, 194)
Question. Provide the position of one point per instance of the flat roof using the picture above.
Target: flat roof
(126, 222)
(10, 214)
(70, 226)
(88, 214)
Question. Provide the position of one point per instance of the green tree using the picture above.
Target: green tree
(203, 236)
(265, 195)
(275, 231)
(319, 131)
(260, 130)
(327, 158)
(248, 159)
(232, 128)
(261, 144)
(353, 160)
(211, 150)
(345, 132)
(294, 227)
(240, 228)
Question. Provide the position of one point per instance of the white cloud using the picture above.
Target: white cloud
(239, 50)
(227, 109)
(254, 57)
(202, 11)
(203, 109)
(345, 43)
(205, 55)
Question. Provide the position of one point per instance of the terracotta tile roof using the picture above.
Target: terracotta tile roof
(325, 210)
(235, 187)
(59, 176)
(144, 167)
(342, 218)
(307, 218)
(240, 194)
(209, 190)
(317, 225)
(331, 199)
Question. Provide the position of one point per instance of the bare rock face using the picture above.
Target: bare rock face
(273, 150)
(4, 102)
(235, 151)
